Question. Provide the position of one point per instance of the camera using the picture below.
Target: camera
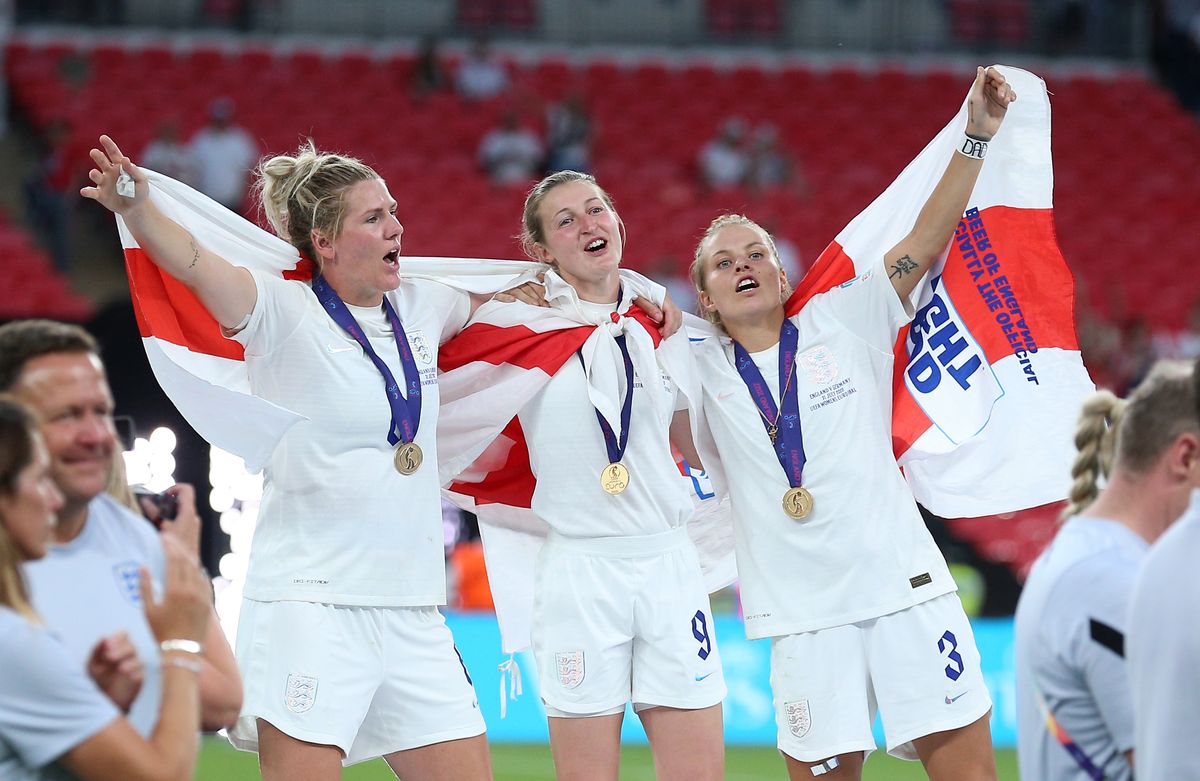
(166, 505)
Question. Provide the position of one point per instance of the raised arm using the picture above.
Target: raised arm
(908, 261)
(227, 291)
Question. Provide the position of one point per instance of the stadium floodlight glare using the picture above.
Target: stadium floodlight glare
(236, 495)
(150, 462)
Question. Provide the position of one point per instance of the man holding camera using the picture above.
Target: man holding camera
(86, 588)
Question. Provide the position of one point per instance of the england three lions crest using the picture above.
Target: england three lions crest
(570, 669)
(819, 364)
(799, 720)
(301, 693)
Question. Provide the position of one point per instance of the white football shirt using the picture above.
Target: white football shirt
(338, 524)
(864, 550)
(567, 450)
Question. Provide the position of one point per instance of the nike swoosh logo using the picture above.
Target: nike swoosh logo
(700, 677)
(950, 701)
(333, 349)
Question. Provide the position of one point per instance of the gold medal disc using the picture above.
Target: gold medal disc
(615, 478)
(797, 503)
(408, 458)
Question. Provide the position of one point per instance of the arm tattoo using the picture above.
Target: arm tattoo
(905, 265)
(195, 253)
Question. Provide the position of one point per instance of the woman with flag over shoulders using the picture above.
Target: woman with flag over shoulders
(1075, 705)
(835, 562)
(584, 396)
(343, 650)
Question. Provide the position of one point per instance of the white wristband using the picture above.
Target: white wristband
(191, 665)
(972, 147)
(183, 646)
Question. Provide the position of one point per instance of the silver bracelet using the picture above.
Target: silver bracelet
(972, 147)
(184, 664)
(183, 646)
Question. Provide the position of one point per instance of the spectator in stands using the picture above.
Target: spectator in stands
(568, 136)
(50, 188)
(222, 154)
(510, 153)
(169, 156)
(1177, 49)
(480, 75)
(1163, 646)
(1182, 344)
(428, 73)
(723, 161)
(769, 166)
(54, 719)
(85, 586)
(1075, 711)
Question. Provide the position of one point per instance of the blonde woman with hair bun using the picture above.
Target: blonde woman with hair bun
(1138, 463)
(344, 652)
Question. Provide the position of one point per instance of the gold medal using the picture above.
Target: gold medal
(408, 458)
(797, 503)
(615, 478)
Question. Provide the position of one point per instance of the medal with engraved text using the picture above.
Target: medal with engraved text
(782, 421)
(406, 410)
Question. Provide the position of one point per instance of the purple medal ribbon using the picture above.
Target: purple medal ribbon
(789, 440)
(616, 449)
(406, 413)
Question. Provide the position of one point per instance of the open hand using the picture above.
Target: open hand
(109, 162)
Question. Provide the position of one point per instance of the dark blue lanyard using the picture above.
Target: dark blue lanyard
(787, 437)
(406, 413)
(616, 449)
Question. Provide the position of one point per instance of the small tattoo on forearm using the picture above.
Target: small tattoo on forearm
(195, 253)
(905, 265)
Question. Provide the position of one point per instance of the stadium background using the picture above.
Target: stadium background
(852, 88)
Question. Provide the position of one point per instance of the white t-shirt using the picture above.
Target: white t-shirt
(1163, 647)
(88, 588)
(567, 453)
(1069, 627)
(222, 160)
(48, 704)
(864, 551)
(338, 524)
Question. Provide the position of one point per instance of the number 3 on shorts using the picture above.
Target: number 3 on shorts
(700, 632)
(947, 640)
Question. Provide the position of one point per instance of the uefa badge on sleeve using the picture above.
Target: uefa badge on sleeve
(570, 669)
(301, 693)
(799, 720)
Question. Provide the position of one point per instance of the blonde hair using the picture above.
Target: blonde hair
(118, 484)
(307, 191)
(696, 271)
(18, 428)
(533, 233)
(1131, 433)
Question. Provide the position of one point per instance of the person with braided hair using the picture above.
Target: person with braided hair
(1075, 715)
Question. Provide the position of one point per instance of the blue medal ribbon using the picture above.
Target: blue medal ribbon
(406, 412)
(616, 448)
(783, 429)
